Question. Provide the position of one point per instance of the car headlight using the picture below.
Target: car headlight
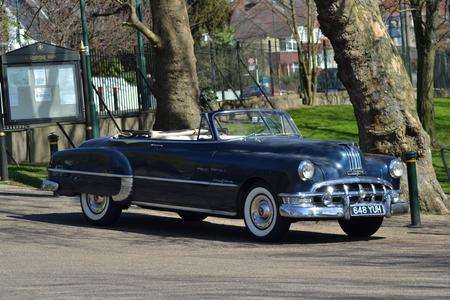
(306, 170)
(396, 168)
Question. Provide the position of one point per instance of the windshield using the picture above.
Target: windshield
(240, 124)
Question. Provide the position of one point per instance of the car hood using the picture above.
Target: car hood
(344, 158)
(296, 145)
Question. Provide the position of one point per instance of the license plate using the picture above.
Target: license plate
(367, 210)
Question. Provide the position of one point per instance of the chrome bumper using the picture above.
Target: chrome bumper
(48, 185)
(335, 212)
(332, 199)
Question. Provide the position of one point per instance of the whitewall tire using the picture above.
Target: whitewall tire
(261, 214)
(99, 210)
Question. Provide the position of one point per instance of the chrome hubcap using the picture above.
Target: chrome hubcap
(261, 212)
(97, 204)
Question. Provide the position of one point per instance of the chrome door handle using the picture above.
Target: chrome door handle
(156, 145)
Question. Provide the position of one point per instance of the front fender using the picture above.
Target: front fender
(97, 171)
(377, 165)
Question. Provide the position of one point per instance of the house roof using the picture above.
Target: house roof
(261, 19)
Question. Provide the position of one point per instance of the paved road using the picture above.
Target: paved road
(48, 251)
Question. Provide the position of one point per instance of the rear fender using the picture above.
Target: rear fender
(97, 171)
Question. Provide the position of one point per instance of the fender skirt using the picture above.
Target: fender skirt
(97, 171)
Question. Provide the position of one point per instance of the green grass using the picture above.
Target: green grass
(337, 122)
(27, 174)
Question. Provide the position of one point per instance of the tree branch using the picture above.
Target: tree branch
(32, 20)
(116, 11)
(134, 22)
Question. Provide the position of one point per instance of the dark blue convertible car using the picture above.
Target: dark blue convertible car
(250, 164)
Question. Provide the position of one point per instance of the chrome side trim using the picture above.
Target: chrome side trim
(126, 186)
(186, 181)
(90, 173)
(175, 207)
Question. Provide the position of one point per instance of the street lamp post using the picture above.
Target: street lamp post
(3, 154)
(4, 175)
(92, 127)
(141, 64)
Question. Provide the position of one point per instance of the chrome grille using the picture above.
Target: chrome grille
(357, 191)
(354, 157)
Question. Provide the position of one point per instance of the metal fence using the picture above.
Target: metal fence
(118, 81)
(231, 72)
(442, 72)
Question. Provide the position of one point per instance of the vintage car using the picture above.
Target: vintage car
(250, 164)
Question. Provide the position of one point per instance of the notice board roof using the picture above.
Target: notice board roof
(39, 53)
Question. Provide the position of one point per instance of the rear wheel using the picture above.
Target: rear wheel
(261, 215)
(192, 216)
(361, 227)
(100, 210)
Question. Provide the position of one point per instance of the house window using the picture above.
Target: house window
(291, 45)
(294, 68)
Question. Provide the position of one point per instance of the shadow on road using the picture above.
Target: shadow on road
(162, 226)
(25, 194)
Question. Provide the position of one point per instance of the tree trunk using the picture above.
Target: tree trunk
(383, 98)
(176, 83)
(425, 91)
(425, 33)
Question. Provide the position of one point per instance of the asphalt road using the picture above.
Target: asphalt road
(48, 251)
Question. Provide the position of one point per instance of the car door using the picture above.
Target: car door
(179, 173)
(176, 173)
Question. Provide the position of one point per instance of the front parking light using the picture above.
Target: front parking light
(298, 200)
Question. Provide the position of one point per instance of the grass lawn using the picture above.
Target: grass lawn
(337, 122)
(25, 174)
(320, 122)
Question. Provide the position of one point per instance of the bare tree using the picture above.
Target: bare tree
(382, 95)
(307, 43)
(58, 22)
(4, 26)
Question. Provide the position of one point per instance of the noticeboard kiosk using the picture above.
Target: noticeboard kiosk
(41, 83)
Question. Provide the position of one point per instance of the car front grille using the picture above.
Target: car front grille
(356, 190)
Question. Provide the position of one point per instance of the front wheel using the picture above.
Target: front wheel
(261, 215)
(99, 210)
(361, 227)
